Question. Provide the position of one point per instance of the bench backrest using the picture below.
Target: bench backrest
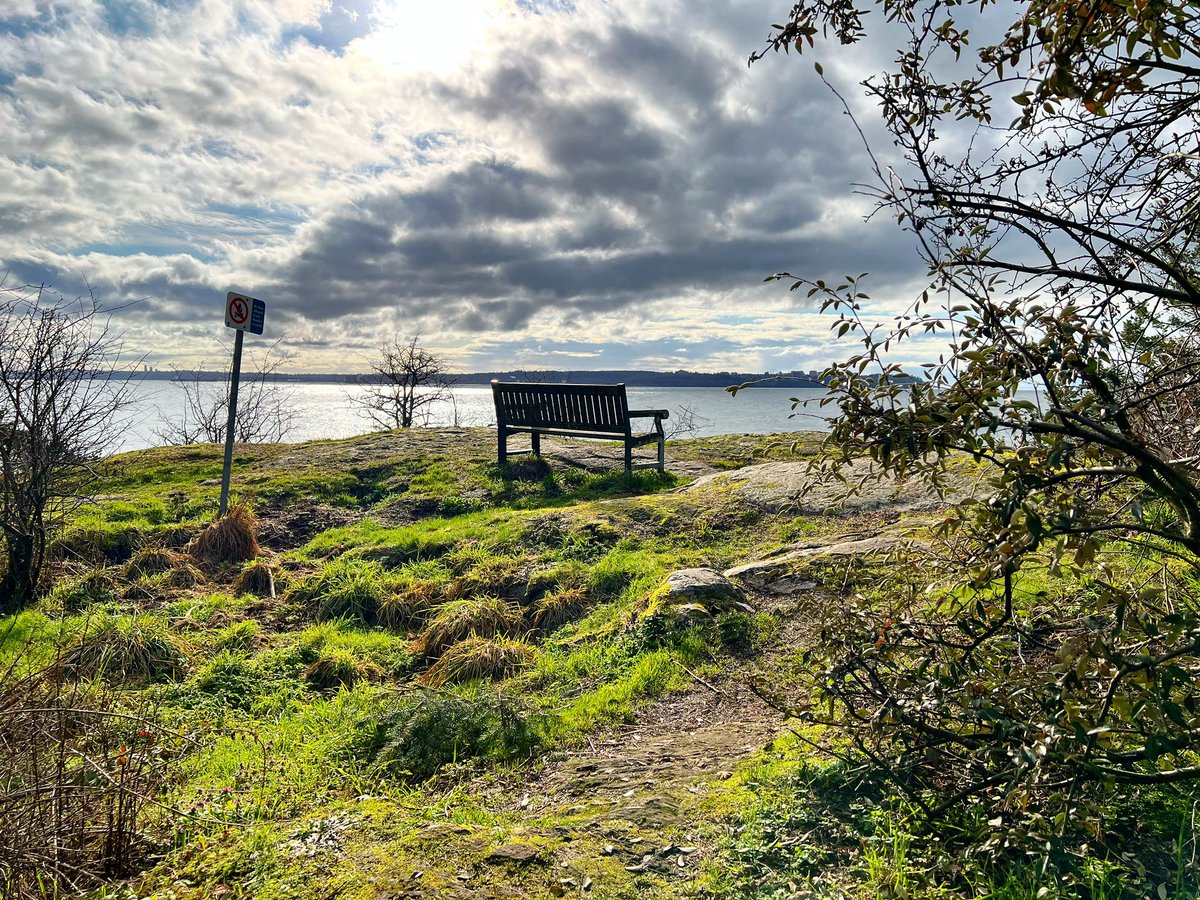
(582, 407)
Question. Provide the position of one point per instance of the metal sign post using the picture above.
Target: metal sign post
(243, 314)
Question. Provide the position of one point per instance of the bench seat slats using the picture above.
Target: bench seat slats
(597, 411)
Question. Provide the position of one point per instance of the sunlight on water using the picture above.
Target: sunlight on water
(328, 410)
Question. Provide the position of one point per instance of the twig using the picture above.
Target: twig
(698, 679)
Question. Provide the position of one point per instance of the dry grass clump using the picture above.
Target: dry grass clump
(257, 578)
(555, 610)
(479, 657)
(127, 648)
(401, 610)
(337, 667)
(185, 575)
(232, 538)
(479, 617)
(152, 561)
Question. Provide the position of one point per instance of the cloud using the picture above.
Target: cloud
(579, 168)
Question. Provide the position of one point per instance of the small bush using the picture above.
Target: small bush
(81, 771)
(478, 657)
(481, 617)
(134, 647)
(232, 538)
(417, 737)
(257, 578)
(555, 610)
(229, 679)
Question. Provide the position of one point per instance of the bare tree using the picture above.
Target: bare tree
(265, 410)
(408, 381)
(686, 422)
(62, 387)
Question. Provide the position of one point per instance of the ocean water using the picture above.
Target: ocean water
(329, 410)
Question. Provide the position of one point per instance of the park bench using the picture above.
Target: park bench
(598, 411)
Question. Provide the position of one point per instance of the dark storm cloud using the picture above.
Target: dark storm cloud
(670, 170)
(616, 159)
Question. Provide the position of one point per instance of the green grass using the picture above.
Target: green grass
(291, 713)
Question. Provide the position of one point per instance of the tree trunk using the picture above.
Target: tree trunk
(18, 588)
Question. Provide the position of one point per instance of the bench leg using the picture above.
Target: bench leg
(536, 440)
(501, 445)
(662, 455)
(628, 459)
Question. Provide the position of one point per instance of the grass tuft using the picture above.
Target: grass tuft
(337, 667)
(257, 578)
(555, 610)
(242, 635)
(403, 609)
(152, 561)
(185, 576)
(97, 586)
(232, 538)
(129, 647)
(346, 588)
(479, 657)
(483, 617)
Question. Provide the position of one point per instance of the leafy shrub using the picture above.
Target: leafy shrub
(1010, 724)
(479, 657)
(129, 647)
(230, 679)
(418, 736)
(480, 617)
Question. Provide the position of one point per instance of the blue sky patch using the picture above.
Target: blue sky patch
(345, 21)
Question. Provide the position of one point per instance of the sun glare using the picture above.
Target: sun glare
(431, 35)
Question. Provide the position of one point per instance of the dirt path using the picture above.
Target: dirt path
(622, 817)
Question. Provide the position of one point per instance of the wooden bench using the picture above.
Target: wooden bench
(598, 411)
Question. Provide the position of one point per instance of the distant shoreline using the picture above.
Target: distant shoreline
(631, 377)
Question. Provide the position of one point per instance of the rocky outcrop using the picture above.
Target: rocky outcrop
(695, 594)
(790, 486)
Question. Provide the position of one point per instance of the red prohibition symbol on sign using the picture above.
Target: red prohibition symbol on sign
(239, 312)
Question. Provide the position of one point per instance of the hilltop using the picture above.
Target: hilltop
(442, 678)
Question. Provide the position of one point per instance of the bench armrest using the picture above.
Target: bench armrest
(644, 413)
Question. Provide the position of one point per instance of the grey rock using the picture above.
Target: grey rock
(790, 486)
(776, 575)
(521, 854)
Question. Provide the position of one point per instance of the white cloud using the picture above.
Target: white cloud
(489, 175)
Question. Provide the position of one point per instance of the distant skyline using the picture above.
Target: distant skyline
(589, 185)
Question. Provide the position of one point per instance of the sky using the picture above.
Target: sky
(523, 183)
